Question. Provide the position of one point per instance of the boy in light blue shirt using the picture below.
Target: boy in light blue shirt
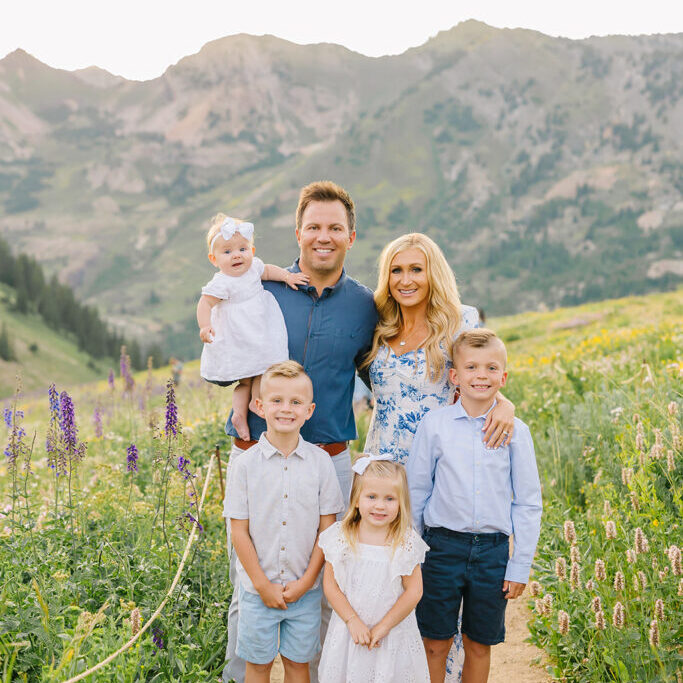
(468, 500)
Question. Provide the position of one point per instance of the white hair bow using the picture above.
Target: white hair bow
(362, 463)
(230, 226)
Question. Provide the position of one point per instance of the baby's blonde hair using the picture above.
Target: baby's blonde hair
(386, 469)
(215, 228)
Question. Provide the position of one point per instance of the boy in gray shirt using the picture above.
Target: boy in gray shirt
(281, 494)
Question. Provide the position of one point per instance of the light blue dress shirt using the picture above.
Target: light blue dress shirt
(457, 483)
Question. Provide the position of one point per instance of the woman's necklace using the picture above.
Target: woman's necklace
(402, 342)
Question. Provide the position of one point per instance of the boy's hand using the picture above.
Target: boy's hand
(207, 334)
(294, 279)
(272, 595)
(377, 632)
(360, 633)
(512, 589)
(294, 590)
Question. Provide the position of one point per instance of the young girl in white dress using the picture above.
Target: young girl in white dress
(240, 323)
(373, 582)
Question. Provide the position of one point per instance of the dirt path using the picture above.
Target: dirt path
(511, 662)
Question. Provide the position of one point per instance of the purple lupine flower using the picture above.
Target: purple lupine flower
(72, 450)
(157, 639)
(132, 458)
(54, 402)
(196, 522)
(171, 410)
(182, 468)
(97, 421)
(7, 416)
(110, 379)
(16, 448)
(124, 365)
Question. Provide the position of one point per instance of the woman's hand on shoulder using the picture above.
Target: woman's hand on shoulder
(499, 424)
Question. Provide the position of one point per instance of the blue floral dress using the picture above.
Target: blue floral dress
(404, 394)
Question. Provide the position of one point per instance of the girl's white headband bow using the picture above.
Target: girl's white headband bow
(362, 463)
(229, 227)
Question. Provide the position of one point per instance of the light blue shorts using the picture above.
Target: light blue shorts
(298, 628)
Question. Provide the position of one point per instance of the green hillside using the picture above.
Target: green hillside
(42, 354)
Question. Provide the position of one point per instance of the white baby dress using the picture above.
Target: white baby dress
(370, 578)
(250, 330)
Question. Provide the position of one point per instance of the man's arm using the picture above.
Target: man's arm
(295, 589)
(272, 594)
(420, 472)
(526, 506)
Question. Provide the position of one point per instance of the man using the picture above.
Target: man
(330, 323)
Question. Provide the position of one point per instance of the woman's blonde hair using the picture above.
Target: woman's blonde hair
(386, 469)
(215, 228)
(443, 308)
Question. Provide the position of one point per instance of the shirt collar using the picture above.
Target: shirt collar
(460, 412)
(307, 288)
(269, 450)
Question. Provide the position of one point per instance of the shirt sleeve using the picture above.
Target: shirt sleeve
(218, 287)
(330, 497)
(420, 471)
(258, 266)
(526, 504)
(470, 318)
(236, 503)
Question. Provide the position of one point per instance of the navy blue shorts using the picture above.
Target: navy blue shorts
(469, 569)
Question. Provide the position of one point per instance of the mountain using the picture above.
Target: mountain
(549, 170)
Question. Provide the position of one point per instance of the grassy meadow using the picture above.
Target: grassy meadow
(100, 487)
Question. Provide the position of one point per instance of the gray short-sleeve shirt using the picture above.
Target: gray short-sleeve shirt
(283, 499)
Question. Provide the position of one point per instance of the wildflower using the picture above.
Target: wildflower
(569, 532)
(548, 603)
(575, 555)
(132, 458)
(563, 622)
(171, 410)
(157, 639)
(596, 604)
(561, 568)
(7, 416)
(642, 579)
(636, 418)
(663, 574)
(619, 581)
(53, 397)
(631, 556)
(124, 367)
(640, 438)
(534, 588)
(654, 633)
(110, 379)
(642, 545)
(626, 475)
(610, 529)
(634, 501)
(670, 463)
(600, 620)
(675, 435)
(97, 421)
(672, 408)
(600, 573)
(16, 446)
(194, 521)
(575, 576)
(590, 585)
(182, 467)
(674, 553)
(539, 606)
(135, 621)
(636, 583)
(618, 615)
(659, 609)
(607, 509)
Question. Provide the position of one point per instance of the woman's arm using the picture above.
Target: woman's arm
(360, 633)
(500, 423)
(206, 303)
(271, 272)
(412, 592)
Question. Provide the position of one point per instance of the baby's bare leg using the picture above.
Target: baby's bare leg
(240, 407)
(255, 392)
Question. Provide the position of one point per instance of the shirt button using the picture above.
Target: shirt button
(282, 547)
(285, 468)
(285, 495)
(284, 523)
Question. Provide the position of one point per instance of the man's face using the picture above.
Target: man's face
(480, 372)
(324, 237)
(285, 403)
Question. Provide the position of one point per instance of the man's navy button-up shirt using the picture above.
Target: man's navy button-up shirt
(329, 335)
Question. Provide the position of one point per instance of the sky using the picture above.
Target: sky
(139, 39)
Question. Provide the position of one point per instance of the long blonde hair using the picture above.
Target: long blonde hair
(443, 308)
(386, 469)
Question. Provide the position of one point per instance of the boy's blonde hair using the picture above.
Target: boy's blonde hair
(215, 228)
(398, 529)
(477, 339)
(287, 368)
(443, 308)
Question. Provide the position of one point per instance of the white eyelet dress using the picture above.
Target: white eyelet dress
(370, 578)
(250, 330)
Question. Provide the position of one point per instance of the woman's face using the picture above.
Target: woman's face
(408, 280)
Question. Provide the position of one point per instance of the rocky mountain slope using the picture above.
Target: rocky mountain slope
(549, 170)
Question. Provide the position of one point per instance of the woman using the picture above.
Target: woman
(420, 314)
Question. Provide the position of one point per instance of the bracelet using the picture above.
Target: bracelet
(351, 617)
